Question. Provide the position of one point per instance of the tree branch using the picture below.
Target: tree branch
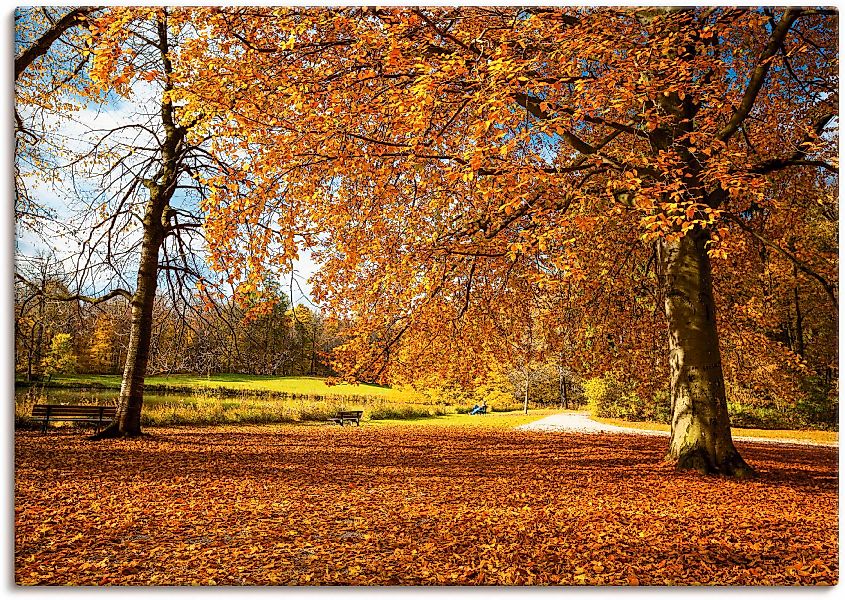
(75, 297)
(758, 75)
(799, 157)
(799, 264)
(42, 45)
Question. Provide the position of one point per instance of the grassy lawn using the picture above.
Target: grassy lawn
(489, 420)
(826, 437)
(258, 383)
(215, 410)
(202, 401)
(421, 505)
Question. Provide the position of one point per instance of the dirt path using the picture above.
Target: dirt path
(582, 423)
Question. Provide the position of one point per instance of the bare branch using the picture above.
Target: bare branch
(75, 297)
(42, 45)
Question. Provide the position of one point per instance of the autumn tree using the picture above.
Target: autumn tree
(109, 336)
(443, 163)
(38, 316)
(439, 151)
(49, 55)
(60, 357)
(133, 192)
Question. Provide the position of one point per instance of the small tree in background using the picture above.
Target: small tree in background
(60, 358)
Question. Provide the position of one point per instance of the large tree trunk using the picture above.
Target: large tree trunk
(701, 433)
(156, 222)
(128, 418)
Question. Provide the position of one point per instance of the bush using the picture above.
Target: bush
(816, 407)
(662, 407)
(406, 411)
(758, 417)
(60, 357)
(610, 398)
(819, 404)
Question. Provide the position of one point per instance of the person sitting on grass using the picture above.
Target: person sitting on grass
(479, 410)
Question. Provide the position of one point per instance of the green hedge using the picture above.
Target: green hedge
(610, 398)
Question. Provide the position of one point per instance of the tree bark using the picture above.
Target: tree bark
(525, 401)
(127, 421)
(701, 434)
(799, 318)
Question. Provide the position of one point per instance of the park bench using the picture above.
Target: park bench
(98, 415)
(347, 415)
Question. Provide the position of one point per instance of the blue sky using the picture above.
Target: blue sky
(72, 198)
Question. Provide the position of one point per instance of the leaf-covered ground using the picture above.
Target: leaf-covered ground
(422, 505)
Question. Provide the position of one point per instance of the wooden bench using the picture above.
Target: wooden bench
(347, 415)
(98, 415)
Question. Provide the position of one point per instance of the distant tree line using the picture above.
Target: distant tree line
(188, 336)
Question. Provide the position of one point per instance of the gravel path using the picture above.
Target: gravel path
(582, 423)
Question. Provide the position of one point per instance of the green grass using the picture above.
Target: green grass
(306, 386)
(204, 406)
(493, 419)
(248, 399)
(827, 437)
(310, 399)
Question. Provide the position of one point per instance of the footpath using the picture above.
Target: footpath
(582, 423)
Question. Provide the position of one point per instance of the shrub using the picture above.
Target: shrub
(60, 357)
(405, 411)
(819, 404)
(815, 407)
(611, 398)
(662, 410)
(596, 392)
(758, 417)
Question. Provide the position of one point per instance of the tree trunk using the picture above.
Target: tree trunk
(156, 222)
(799, 318)
(525, 401)
(701, 434)
(127, 422)
(561, 383)
(565, 393)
